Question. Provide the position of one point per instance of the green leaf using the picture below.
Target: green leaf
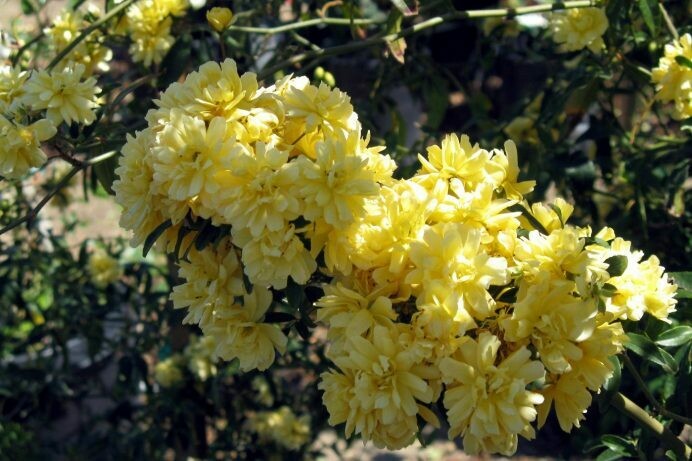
(558, 212)
(676, 336)
(682, 279)
(617, 265)
(619, 444)
(278, 317)
(436, 95)
(646, 349)
(295, 295)
(74, 4)
(608, 290)
(154, 236)
(683, 61)
(404, 8)
(535, 223)
(27, 7)
(610, 455)
(105, 173)
(647, 8)
(397, 47)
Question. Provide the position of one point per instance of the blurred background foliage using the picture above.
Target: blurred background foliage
(105, 371)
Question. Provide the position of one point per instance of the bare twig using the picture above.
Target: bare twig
(667, 438)
(383, 38)
(649, 396)
(88, 30)
(35, 210)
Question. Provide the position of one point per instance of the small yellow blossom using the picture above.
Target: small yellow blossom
(168, 372)
(273, 256)
(65, 96)
(452, 254)
(143, 208)
(219, 18)
(320, 107)
(213, 278)
(579, 28)
(187, 155)
(21, 146)
(643, 287)
(91, 52)
(486, 397)
(348, 313)
(254, 190)
(12, 80)
(334, 186)
(238, 332)
(674, 80)
(378, 390)
(103, 268)
(553, 319)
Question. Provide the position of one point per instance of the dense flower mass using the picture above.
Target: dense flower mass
(448, 286)
(580, 28)
(148, 23)
(673, 79)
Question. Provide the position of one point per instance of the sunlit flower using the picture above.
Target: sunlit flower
(12, 80)
(553, 319)
(486, 397)
(452, 253)
(378, 390)
(91, 52)
(64, 95)
(254, 191)
(348, 313)
(674, 80)
(579, 28)
(335, 185)
(274, 256)
(143, 208)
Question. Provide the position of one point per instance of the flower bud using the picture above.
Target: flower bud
(219, 18)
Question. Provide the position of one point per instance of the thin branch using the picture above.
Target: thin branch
(649, 396)
(383, 38)
(667, 438)
(669, 22)
(63, 182)
(88, 30)
(26, 46)
(304, 24)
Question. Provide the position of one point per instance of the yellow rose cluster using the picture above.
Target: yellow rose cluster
(147, 23)
(33, 103)
(445, 288)
(91, 52)
(673, 79)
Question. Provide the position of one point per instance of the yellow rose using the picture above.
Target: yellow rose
(219, 18)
